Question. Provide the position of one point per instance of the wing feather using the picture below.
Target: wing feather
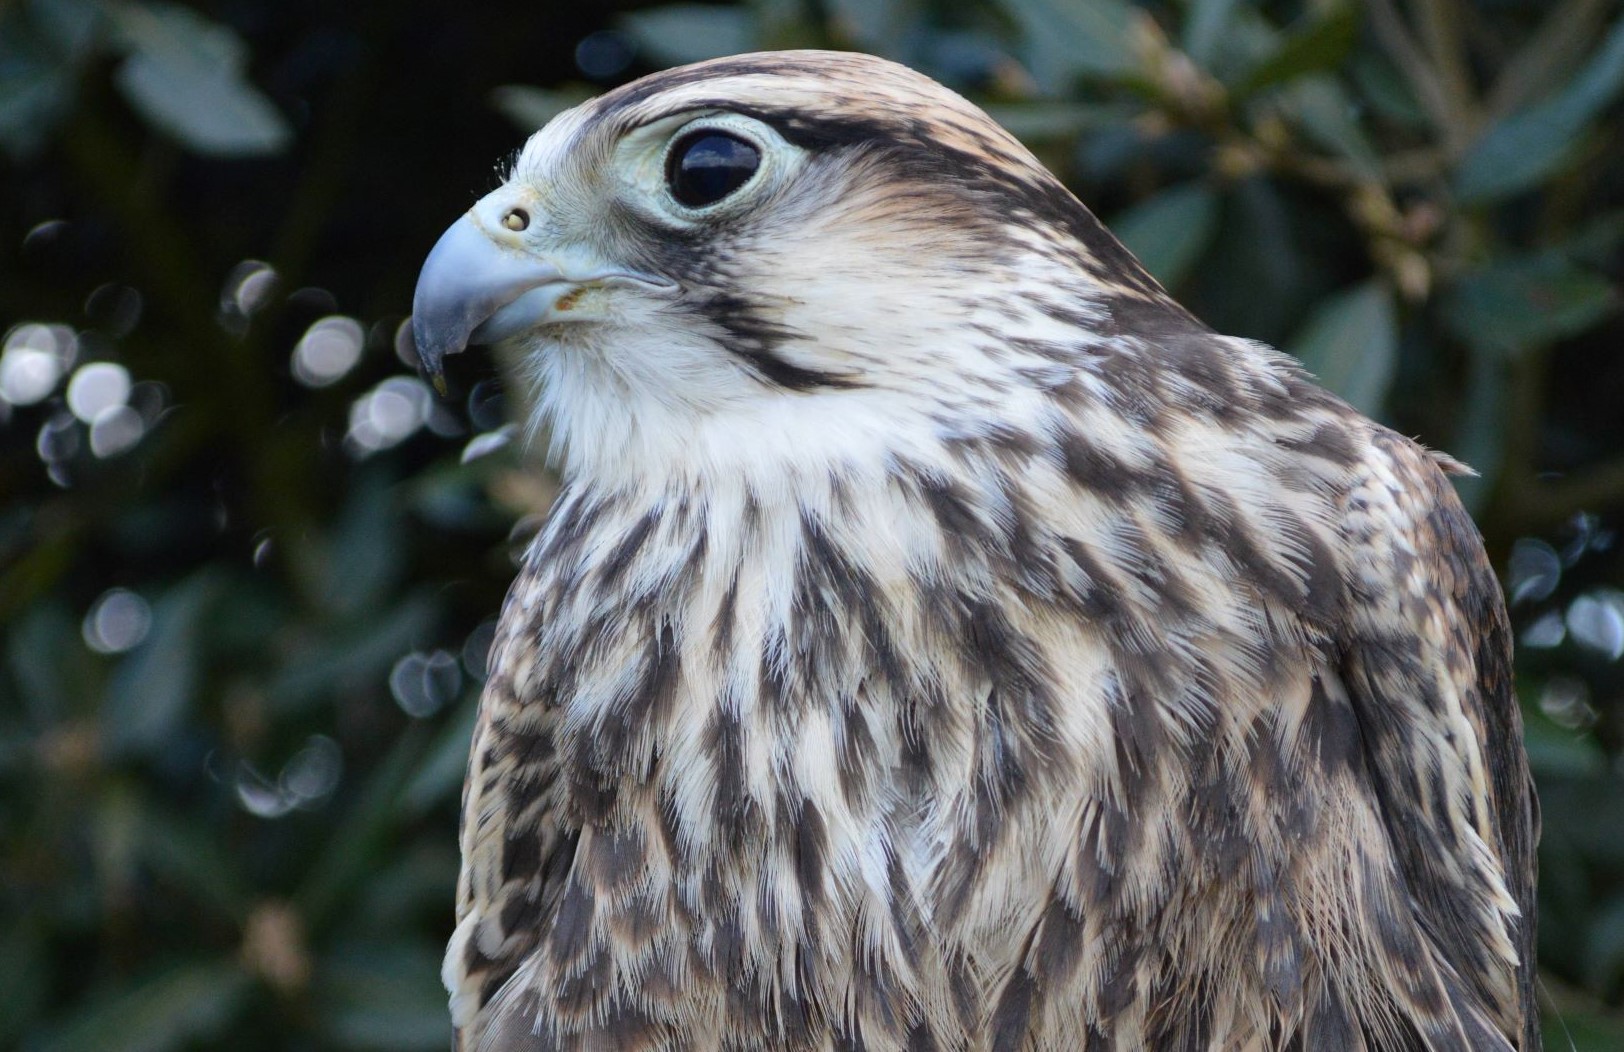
(1427, 664)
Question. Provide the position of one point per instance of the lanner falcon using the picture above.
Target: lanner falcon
(942, 640)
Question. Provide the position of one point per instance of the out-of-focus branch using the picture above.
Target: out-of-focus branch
(1395, 37)
(1444, 38)
(1540, 64)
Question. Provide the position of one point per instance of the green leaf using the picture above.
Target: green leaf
(677, 34)
(1480, 437)
(1350, 343)
(531, 108)
(1170, 231)
(1508, 307)
(1323, 44)
(384, 996)
(1257, 247)
(352, 569)
(1558, 751)
(151, 690)
(1065, 39)
(1044, 122)
(179, 847)
(354, 655)
(1204, 28)
(46, 653)
(870, 23)
(1518, 151)
(1385, 90)
(1573, 1030)
(25, 961)
(355, 846)
(1322, 108)
(439, 777)
(184, 75)
(169, 1011)
(44, 45)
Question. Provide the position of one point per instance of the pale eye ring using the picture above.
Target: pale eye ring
(517, 219)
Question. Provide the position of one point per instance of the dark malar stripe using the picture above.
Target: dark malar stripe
(750, 336)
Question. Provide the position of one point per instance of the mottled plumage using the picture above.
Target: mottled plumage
(944, 641)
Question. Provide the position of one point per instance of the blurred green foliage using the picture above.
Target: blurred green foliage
(248, 565)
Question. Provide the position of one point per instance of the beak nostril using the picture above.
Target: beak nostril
(517, 219)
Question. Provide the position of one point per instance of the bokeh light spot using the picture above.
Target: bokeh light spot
(1596, 621)
(96, 388)
(248, 288)
(1546, 632)
(1567, 702)
(406, 345)
(34, 360)
(476, 650)
(488, 443)
(303, 783)
(1533, 572)
(424, 683)
(118, 621)
(328, 350)
(115, 429)
(59, 438)
(388, 414)
(115, 308)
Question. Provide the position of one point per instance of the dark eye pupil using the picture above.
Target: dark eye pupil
(708, 165)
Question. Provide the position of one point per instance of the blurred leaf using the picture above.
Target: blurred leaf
(405, 889)
(1204, 28)
(677, 34)
(1326, 114)
(531, 108)
(1597, 240)
(151, 690)
(1321, 45)
(873, 23)
(1385, 90)
(1604, 946)
(351, 568)
(1554, 750)
(47, 655)
(169, 1011)
(353, 847)
(25, 963)
(1545, 59)
(1069, 38)
(181, 848)
(184, 74)
(439, 778)
(1480, 437)
(43, 45)
(1527, 301)
(1350, 343)
(1573, 1030)
(1256, 248)
(1170, 231)
(384, 996)
(1040, 122)
(1523, 148)
(347, 656)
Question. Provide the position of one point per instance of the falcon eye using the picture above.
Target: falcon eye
(516, 220)
(706, 166)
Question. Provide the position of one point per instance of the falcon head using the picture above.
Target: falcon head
(739, 244)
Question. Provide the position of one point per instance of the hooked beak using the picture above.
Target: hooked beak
(476, 288)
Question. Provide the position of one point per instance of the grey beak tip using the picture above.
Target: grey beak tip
(431, 354)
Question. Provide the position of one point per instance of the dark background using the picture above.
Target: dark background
(248, 567)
